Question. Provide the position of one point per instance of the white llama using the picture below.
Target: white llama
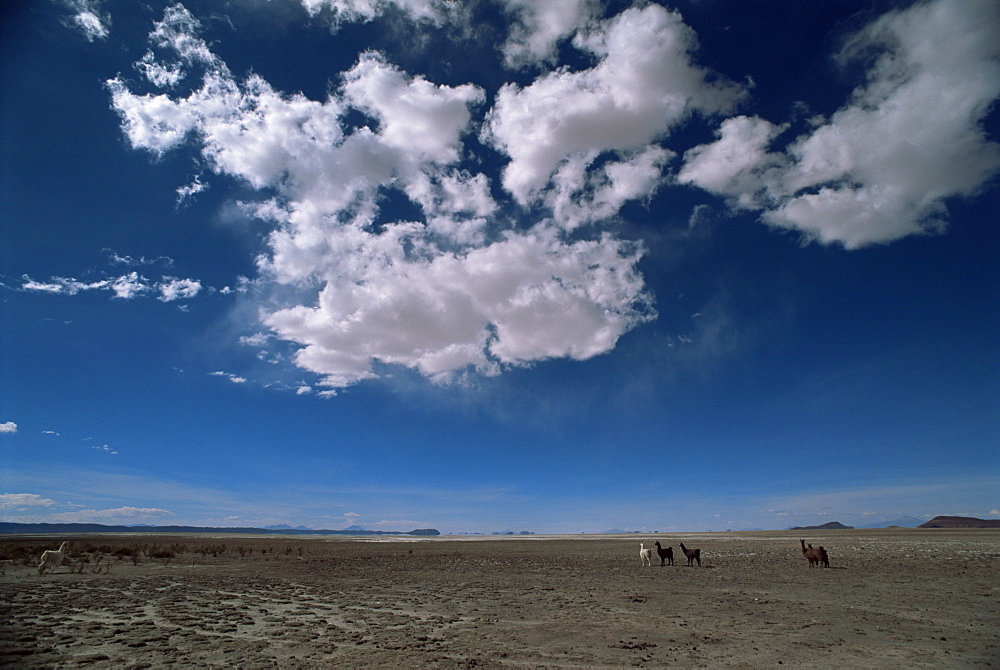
(645, 555)
(52, 559)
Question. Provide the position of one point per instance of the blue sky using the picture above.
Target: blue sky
(557, 266)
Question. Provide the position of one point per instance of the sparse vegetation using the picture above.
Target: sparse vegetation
(444, 602)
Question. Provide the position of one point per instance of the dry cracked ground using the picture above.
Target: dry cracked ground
(892, 598)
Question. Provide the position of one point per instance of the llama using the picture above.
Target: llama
(811, 554)
(815, 556)
(692, 555)
(665, 554)
(645, 555)
(824, 558)
(52, 558)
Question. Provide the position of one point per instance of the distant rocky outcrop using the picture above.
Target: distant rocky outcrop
(833, 525)
(960, 522)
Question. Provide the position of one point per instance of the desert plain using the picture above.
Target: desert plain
(891, 598)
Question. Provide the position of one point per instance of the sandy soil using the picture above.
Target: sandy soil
(893, 598)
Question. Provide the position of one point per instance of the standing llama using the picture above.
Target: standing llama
(645, 555)
(692, 555)
(815, 556)
(52, 558)
(665, 554)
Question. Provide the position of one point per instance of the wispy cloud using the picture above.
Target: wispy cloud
(917, 499)
(88, 18)
(13, 501)
(125, 287)
(128, 286)
(114, 515)
(350, 11)
(236, 379)
(104, 494)
(124, 259)
(185, 194)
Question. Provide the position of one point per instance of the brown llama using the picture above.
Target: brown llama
(692, 555)
(815, 556)
(824, 558)
(665, 554)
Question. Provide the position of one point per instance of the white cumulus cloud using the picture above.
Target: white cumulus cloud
(644, 85)
(540, 25)
(459, 289)
(176, 289)
(465, 287)
(8, 427)
(883, 165)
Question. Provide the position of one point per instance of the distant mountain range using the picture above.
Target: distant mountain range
(285, 526)
(10, 528)
(833, 525)
(960, 522)
(901, 522)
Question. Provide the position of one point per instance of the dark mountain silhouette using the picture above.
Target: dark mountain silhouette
(833, 525)
(960, 522)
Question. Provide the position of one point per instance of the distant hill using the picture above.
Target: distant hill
(285, 526)
(833, 525)
(10, 528)
(960, 522)
(901, 522)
